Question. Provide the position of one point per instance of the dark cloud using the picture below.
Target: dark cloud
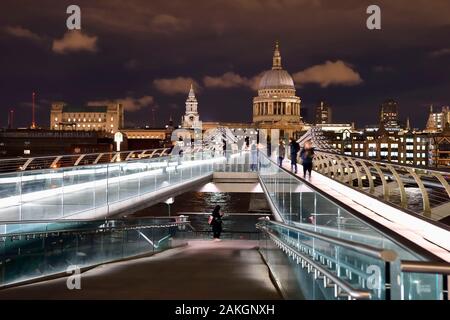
(329, 73)
(440, 52)
(175, 85)
(74, 41)
(20, 32)
(129, 103)
(231, 80)
(156, 48)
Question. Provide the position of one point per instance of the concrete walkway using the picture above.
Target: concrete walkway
(204, 269)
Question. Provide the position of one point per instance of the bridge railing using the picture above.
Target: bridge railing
(96, 190)
(74, 160)
(420, 190)
(39, 250)
(339, 265)
(310, 212)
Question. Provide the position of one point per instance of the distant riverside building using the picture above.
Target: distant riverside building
(440, 148)
(277, 106)
(403, 147)
(109, 118)
(437, 120)
(39, 142)
(323, 114)
(147, 138)
(389, 115)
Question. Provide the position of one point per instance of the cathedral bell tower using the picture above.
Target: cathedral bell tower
(191, 119)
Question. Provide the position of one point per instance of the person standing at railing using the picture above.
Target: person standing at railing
(307, 155)
(215, 220)
(294, 148)
(281, 152)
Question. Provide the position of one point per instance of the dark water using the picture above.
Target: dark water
(241, 210)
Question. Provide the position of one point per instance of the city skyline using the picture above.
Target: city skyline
(146, 55)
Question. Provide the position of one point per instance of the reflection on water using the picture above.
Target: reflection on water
(198, 205)
(414, 197)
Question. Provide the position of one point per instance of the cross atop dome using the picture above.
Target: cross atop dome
(276, 57)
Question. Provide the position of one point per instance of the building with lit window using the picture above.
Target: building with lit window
(40, 142)
(323, 114)
(389, 115)
(148, 138)
(440, 148)
(404, 147)
(109, 118)
(437, 120)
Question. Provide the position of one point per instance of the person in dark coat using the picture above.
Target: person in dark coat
(281, 153)
(216, 223)
(307, 155)
(294, 148)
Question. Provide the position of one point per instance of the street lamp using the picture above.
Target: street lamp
(169, 202)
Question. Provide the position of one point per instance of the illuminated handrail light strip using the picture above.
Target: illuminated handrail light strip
(39, 195)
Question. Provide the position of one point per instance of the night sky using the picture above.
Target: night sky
(145, 53)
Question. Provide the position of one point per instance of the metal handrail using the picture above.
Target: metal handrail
(425, 267)
(385, 255)
(98, 229)
(352, 292)
(441, 171)
(62, 221)
(20, 164)
(333, 164)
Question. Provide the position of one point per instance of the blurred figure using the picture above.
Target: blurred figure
(254, 156)
(281, 153)
(216, 222)
(307, 155)
(294, 148)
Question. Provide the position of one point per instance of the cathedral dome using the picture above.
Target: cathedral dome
(277, 78)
